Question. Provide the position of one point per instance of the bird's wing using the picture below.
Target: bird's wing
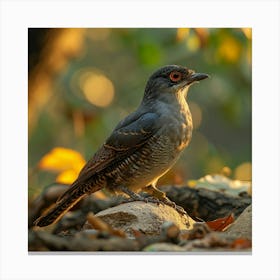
(128, 136)
(133, 134)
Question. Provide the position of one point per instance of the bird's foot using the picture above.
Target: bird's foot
(137, 197)
(172, 204)
(144, 199)
(158, 197)
(161, 196)
(150, 199)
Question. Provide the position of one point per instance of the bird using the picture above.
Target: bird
(142, 147)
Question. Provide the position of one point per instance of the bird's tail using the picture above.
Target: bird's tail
(70, 198)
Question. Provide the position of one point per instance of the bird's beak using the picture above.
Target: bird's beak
(195, 77)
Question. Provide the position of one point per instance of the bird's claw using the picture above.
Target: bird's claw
(165, 201)
(152, 200)
(180, 209)
(144, 199)
(172, 204)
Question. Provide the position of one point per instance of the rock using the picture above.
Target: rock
(217, 241)
(144, 217)
(163, 247)
(242, 227)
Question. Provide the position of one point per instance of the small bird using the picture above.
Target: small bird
(142, 147)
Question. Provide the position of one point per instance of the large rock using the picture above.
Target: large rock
(145, 217)
(242, 227)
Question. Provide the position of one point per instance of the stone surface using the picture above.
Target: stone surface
(144, 217)
(163, 247)
(242, 227)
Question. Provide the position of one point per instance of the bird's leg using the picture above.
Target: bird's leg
(137, 197)
(161, 196)
(154, 191)
(130, 193)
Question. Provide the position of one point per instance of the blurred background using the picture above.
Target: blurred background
(82, 82)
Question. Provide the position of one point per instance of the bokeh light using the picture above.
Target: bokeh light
(97, 88)
(193, 42)
(229, 50)
(243, 171)
(247, 32)
(182, 33)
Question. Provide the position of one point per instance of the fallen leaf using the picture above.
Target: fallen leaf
(221, 223)
(60, 159)
(65, 161)
(241, 243)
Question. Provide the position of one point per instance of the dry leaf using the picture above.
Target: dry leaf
(65, 161)
(221, 223)
(241, 243)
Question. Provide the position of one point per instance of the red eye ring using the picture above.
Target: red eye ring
(175, 76)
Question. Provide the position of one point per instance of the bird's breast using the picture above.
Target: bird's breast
(180, 128)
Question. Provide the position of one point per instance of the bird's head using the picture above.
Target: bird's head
(171, 80)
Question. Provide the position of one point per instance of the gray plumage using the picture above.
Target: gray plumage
(142, 147)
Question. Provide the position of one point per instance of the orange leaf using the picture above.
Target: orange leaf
(241, 243)
(67, 176)
(61, 159)
(221, 223)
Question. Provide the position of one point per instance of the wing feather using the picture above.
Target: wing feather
(128, 136)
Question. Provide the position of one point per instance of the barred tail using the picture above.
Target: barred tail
(64, 204)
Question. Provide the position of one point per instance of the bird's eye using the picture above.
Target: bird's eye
(175, 76)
